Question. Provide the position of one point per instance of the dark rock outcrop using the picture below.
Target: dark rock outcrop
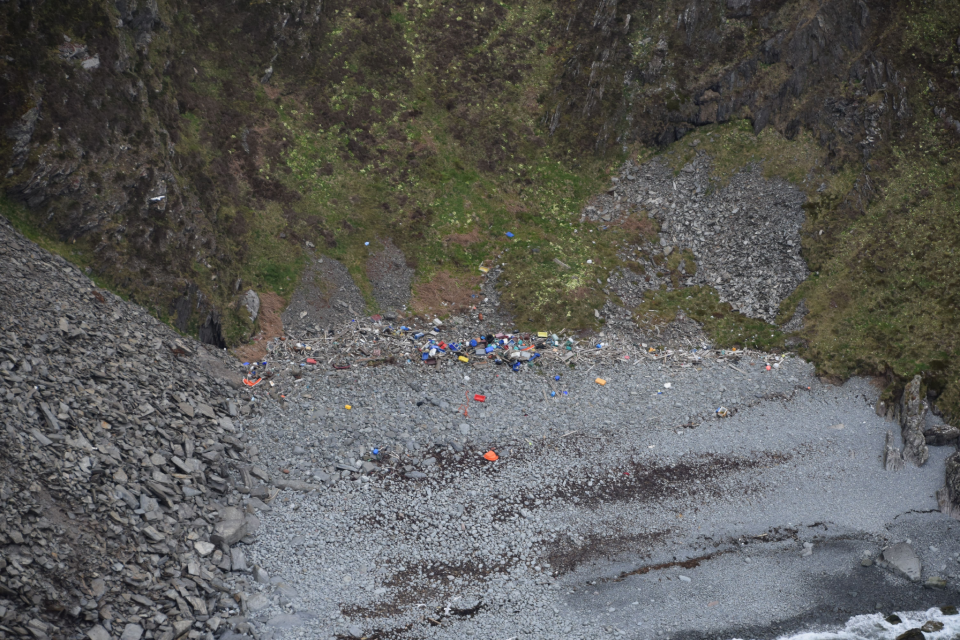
(949, 496)
(913, 412)
(941, 435)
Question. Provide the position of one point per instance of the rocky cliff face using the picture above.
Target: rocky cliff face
(189, 149)
(655, 71)
(104, 143)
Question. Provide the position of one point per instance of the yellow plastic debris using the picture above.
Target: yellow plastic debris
(542, 334)
(347, 407)
(463, 359)
(600, 381)
(484, 270)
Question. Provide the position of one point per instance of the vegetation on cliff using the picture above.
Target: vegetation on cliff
(185, 152)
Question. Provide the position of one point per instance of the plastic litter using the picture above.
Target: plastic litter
(509, 234)
(491, 456)
(723, 412)
(373, 341)
(347, 407)
(479, 398)
(600, 381)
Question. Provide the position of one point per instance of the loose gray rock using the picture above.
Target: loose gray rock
(231, 528)
(753, 274)
(902, 560)
(258, 602)
(238, 560)
(155, 456)
(98, 633)
(132, 632)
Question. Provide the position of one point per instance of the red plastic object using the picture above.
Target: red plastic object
(479, 398)
(311, 361)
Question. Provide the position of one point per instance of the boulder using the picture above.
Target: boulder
(949, 495)
(231, 528)
(252, 302)
(902, 560)
(913, 412)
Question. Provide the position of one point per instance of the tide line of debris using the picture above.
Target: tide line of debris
(374, 341)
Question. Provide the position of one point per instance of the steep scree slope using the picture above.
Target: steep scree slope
(116, 457)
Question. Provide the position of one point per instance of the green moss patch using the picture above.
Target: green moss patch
(725, 327)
